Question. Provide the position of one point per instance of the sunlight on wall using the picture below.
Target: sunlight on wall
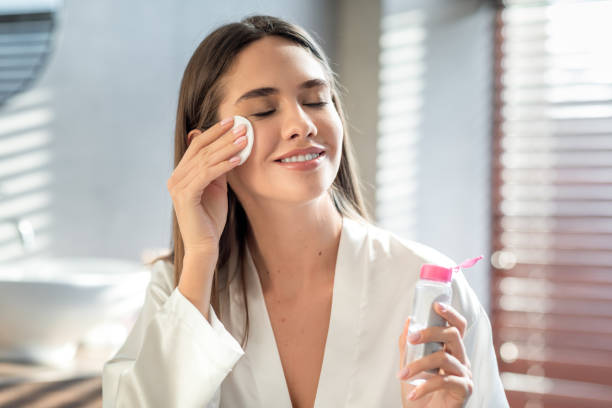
(402, 62)
(24, 175)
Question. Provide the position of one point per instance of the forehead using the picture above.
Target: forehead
(271, 61)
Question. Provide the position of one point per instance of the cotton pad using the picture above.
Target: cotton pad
(246, 151)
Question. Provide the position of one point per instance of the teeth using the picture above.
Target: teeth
(300, 158)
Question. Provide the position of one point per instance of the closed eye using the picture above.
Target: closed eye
(316, 105)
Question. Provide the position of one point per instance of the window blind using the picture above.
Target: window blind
(552, 203)
(25, 46)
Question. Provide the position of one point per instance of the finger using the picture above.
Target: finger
(460, 388)
(452, 316)
(450, 336)
(227, 150)
(227, 138)
(207, 150)
(402, 338)
(206, 171)
(435, 361)
(186, 164)
(214, 172)
(402, 341)
(210, 155)
(217, 129)
(198, 139)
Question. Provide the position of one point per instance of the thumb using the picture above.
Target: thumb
(402, 341)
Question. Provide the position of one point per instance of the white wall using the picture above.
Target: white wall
(451, 203)
(357, 66)
(106, 103)
(456, 151)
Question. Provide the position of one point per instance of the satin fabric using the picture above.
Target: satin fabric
(174, 357)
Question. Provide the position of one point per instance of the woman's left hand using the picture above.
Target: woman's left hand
(452, 385)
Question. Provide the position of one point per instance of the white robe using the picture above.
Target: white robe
(174, 357)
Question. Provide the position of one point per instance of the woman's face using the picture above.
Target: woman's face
(283, 120)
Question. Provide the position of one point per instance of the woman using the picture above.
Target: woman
(283, 254)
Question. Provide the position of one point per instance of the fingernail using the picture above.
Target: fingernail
(226, 120)
(234, 159)
(403, 372)
(412, 395)
(442, 307)
(240, 140)
(239, 129)
(414, 337)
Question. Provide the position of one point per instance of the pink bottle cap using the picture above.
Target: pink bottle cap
(436, 273)
(441, 274)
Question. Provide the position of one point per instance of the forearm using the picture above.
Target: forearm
(196, 279)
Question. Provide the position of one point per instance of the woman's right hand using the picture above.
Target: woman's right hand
(198, 185)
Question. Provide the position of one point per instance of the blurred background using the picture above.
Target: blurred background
(480, 127)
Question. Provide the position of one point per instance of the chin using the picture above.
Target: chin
(303, 196)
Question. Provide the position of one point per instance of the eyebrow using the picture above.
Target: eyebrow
(259, 92)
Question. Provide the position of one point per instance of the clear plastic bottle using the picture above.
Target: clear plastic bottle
(433, 286)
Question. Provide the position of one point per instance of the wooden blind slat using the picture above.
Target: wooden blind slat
(577, 307)
(577, 259)
(542, 337)
(545, 240)
(555, 126)
(560, 274)
(553, 224)
(550, 289)
(576, 357)
(554, 323)
(588, 371)
(584, 143)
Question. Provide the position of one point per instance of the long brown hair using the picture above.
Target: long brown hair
(199, 99)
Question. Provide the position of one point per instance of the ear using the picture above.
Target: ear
(192, 134)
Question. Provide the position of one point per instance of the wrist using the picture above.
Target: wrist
(195, 282)
(202, 257)
(202, 252)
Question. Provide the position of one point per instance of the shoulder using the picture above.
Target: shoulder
(402, 258)
(382, 244)
(465, 300)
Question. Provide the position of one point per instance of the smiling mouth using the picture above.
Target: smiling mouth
(301, 158)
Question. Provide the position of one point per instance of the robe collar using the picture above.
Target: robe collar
(341, 347)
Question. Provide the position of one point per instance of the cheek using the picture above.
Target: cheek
(240, 179)
(240, 173)
(334, 124)
(246, 173)
(336, 130)
(263, 145)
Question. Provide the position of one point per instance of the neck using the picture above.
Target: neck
(294, 248)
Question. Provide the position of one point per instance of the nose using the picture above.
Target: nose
(297, 123)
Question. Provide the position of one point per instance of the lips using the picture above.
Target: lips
(298, 152)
